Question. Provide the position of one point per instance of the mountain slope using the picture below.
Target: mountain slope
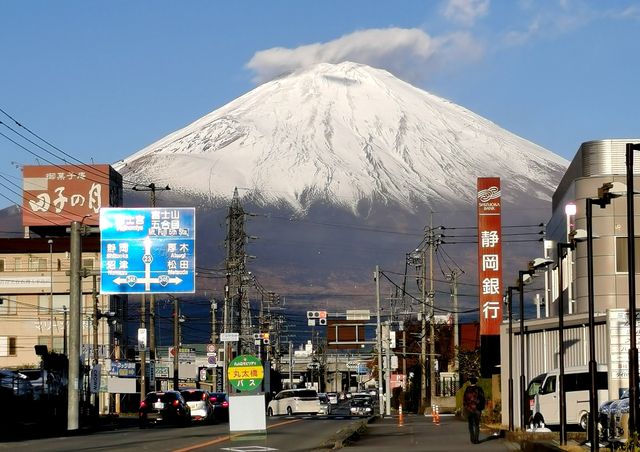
(344, 134)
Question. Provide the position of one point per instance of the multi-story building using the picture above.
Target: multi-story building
(595, 163)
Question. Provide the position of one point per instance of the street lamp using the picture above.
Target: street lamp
(570, 211)
(605, 195)
(533, 266)
(631, 253)
(510, 290)
(574, 236)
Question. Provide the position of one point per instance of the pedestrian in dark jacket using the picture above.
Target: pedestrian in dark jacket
(473, 402)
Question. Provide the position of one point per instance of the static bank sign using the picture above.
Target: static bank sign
(490, 255)
(147, 250)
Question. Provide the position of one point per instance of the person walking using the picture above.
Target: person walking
(473, 402)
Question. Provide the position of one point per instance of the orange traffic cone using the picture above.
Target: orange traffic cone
(437, 415)
(400, 417)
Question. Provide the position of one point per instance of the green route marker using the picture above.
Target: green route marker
(245, 373)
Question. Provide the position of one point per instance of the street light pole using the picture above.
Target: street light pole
(523, 389)
(510, 386)
(631, 253)
(563, 399)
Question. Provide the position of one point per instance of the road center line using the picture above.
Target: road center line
(222, 439)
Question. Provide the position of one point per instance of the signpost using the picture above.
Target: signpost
(245, 373)
(147, 250)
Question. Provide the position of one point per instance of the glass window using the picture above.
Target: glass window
(1, 265)
(58, 343)
(59, 301)
(622, 261)
(8, 346)
(549, 385)
(7, 306)
(87, 263)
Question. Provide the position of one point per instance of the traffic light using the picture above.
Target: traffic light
(317, 315)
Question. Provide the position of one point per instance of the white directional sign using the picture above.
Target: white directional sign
(229, 337)
(147, 250)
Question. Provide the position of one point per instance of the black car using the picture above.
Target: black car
(360, 407)
(220, 403)
(167, 407)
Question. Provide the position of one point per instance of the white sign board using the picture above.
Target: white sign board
(247, 413)
(358, 314)
(230, 337)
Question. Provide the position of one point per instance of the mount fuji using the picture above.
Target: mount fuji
(342, 165)
(348, 135)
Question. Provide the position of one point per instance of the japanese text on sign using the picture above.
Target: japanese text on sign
(489, 254)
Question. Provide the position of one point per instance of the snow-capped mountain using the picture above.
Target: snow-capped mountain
(348, 135)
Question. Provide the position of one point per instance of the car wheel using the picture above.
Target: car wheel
(584, 421)
(538, 420)
(289, 411)
(270, 412)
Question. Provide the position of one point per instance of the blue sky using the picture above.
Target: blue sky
(101, 80)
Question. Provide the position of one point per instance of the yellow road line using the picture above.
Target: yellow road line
(222, 439)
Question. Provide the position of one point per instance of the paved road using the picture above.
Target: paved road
(419, 433)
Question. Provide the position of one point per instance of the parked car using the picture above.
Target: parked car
(220, 403)
(15, 384)
(200, 404)
(164, 407)
(294, 401)
(360, 407)
(325, 404)
(576, 388)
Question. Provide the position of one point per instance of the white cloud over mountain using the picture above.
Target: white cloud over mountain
(409, 53)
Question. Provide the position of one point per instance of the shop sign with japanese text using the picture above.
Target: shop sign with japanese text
(58, 195)
(490, 255)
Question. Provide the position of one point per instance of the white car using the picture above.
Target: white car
(294, 401)
(333, 398)
(200, 404)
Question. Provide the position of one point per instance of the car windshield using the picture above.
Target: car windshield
(360, 402)
(323, 398)
(193, 396)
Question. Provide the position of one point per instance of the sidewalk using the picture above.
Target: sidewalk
(419, 433)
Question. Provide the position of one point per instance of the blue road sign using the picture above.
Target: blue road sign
(147, 250)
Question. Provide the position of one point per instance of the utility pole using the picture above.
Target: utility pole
(387, 370)
(379, 331)
(432, 326)
(214, 326)
(290, 365)
(152, 299)
(454, 297)
(423, 333)
(75, 332)
(176, 344)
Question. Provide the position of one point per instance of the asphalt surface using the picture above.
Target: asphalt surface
(419, 433)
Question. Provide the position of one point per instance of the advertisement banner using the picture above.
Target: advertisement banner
(490, 255)
(57, 195)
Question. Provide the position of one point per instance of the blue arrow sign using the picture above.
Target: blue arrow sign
(147, 250)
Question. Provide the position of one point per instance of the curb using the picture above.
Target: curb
(346, 435)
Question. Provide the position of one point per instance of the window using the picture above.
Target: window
(7, 306)
(1, 265)
(87, 263)
(37, 264)
(58, 343)
(59, 301)
(549, 385)
(8, 346)
(622, 261)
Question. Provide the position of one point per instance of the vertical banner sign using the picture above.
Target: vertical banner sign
(489, 255)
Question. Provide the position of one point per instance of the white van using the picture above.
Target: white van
(294, 401)
(545, 402)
